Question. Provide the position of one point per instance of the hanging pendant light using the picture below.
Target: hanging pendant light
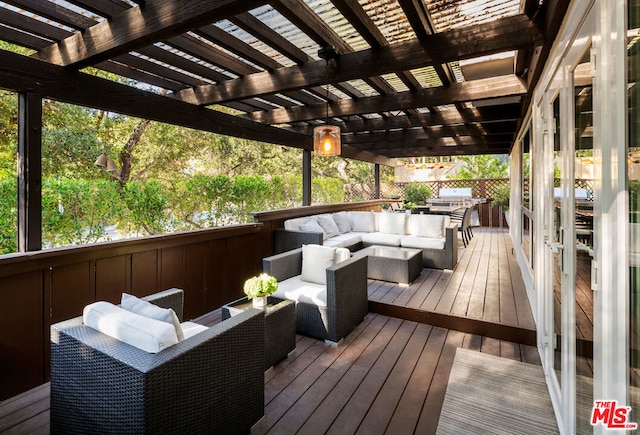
(326, 138)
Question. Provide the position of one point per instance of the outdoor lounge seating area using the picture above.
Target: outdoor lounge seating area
(435, 235)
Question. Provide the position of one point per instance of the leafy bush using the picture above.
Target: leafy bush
(78, 211)
(146, 203)
(501, 197)
(8, 215)
(417, 193)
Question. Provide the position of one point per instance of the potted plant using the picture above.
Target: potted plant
(501, 199)
(259, 287)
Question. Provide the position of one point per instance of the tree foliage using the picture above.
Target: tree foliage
(483, 166)
(168, 178)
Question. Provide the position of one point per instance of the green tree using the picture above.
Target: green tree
(146, 203)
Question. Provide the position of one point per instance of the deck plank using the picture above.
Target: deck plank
(428, 421)
(410, 405)
(334, 402)
(381, 411)
(306, 405)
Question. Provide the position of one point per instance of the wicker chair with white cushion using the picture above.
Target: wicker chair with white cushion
(329, 288)
(148, 381)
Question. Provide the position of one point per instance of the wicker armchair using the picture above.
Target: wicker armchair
(346, 287)
(212, 382)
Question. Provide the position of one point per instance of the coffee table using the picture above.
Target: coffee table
(394, 264)
(279, 326)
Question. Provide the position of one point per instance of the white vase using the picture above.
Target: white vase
(259, 302)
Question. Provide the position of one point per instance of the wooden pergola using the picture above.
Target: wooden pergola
(412, 78)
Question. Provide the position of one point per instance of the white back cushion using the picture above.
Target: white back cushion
(362, 221)
(147, 309)
(294, 224)
(426, 225)
(328, 225)
(148, 334)
(315, 260)
(313, 227)
(342, 221)
(392, 223)
(342, 254)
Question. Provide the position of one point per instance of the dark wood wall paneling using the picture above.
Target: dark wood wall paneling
(40, 288)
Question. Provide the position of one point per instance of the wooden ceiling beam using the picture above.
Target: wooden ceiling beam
(25, 74)
(507, 112)
(55, 12)
(505, 34)
(435, 132)
(435, 142)
(495, 87)
(445, 151)
(139, 26)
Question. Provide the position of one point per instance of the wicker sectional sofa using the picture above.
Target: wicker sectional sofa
(434, 234)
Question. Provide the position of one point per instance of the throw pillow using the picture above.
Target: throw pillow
(362, 221)
(328, 225)
(342, 221)
(427, 225)
(312, 227)
(147, 309)
(315, 260)
(142, 332)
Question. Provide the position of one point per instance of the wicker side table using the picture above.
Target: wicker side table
(279, 326)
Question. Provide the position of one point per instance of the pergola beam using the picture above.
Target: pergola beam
(24, 74)
(494, 87)
(505, 34)
(139, 26)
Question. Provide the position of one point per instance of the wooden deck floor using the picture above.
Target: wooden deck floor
(390, 374)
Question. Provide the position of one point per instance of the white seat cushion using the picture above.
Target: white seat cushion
(382, 239)
(426, 225)
(190, 329)
(422, 242)
(298, 290)
(147, 334)
(315, 261)
(343, 240)
(147, 309)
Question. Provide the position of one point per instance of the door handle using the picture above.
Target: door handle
(554, 246)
